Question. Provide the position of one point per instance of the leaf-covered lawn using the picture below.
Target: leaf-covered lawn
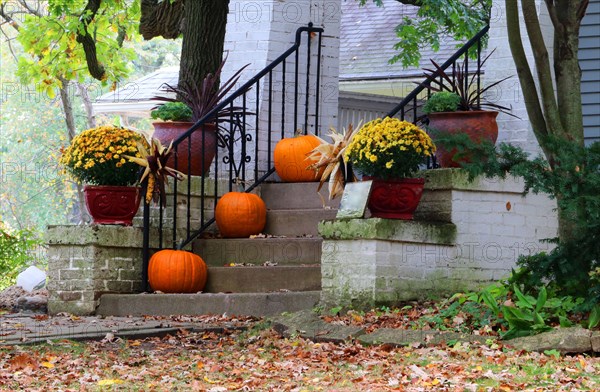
(261, 360)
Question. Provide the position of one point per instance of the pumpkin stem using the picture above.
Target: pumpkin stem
(298, 132)
(240, 184)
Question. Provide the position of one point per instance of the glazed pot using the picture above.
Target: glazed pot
(203, 146)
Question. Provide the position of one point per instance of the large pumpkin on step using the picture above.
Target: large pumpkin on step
(240, 214)
(290, 156)
(177, 271)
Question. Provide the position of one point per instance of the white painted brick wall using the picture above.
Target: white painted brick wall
(490, 238)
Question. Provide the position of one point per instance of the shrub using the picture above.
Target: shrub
(573, 267)
(16, 248)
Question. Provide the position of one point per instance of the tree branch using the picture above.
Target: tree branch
(417, 3)
(542, 63)
(582, 9)
(553, 15)
(87, 41)
(25, 5)
(532, 102)
(8, 18)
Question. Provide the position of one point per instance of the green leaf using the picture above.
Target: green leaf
(538, 319)
(564, 322)
(517, 318)
(541, 301)
(490, 301)
(526, 301)
(594, 318)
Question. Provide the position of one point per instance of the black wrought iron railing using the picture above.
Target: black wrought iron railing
(411, 103)
(278, 100)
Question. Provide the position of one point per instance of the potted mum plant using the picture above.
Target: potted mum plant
(192, 103)
(390, 152)
(97, 158)
(457, 106)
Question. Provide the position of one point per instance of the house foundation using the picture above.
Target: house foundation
(465, 235)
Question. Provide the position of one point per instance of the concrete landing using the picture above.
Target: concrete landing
(246, 304)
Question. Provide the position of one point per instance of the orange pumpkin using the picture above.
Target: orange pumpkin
(177, 271)
(240, 214)
(290, 156)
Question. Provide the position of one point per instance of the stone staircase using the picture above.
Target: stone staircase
(269, 274)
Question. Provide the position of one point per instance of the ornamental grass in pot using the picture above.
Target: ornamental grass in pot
(97, 158)
(390, 151)
(458, 106)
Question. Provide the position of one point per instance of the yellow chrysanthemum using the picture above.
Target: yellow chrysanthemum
(389, 147)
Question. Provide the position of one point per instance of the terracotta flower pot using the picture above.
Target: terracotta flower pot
(395, 199)
(478, 125)
(203, 147)
(112, 205)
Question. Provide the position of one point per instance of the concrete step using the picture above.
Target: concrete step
(296, 223)
(263, 279)
(247, 304)
(283, 251)
(295, 195)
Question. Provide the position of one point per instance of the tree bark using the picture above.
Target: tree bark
(163, 19)
(569, 14)
(95, 68)
(530, 93)
(87, 103)
(203, 39)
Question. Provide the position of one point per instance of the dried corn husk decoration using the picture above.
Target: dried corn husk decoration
(155, 176)
(331, 156)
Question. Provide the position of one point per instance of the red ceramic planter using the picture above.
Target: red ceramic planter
(395, 199)
(478, 125)
(202, 150)
(112, 205)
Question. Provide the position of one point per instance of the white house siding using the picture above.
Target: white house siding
(589, 60)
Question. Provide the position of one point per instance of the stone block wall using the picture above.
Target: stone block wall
(85, 262)
(466, 235)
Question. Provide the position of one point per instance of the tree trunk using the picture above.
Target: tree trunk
(161, 19)
(203, 39)
(567, 22)
(87, 103)
(552, 113)
(71, 132)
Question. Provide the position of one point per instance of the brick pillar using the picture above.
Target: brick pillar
(85, 262)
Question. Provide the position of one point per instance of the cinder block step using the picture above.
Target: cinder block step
(295, 195)
(263, 279)
(296, 223)
(257, 251)
(247, 304)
